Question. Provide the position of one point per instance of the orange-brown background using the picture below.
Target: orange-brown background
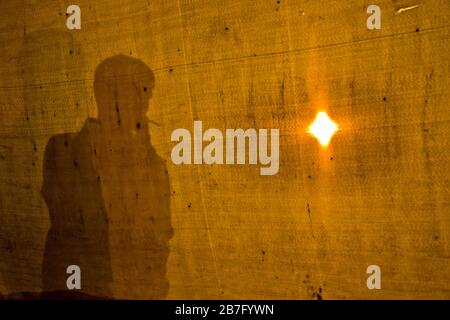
(378, 195)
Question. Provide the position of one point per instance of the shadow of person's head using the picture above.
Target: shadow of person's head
(123, 87)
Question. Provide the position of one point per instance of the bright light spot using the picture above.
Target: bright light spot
(323, 128)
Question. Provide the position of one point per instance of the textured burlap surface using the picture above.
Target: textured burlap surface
(379, 194)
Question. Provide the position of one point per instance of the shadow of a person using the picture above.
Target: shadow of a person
(108, 193)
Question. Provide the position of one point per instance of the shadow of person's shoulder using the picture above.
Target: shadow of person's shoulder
(60, 158)
(62, 140)
(67, 140)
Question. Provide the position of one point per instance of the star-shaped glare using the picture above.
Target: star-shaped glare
(323, 128)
